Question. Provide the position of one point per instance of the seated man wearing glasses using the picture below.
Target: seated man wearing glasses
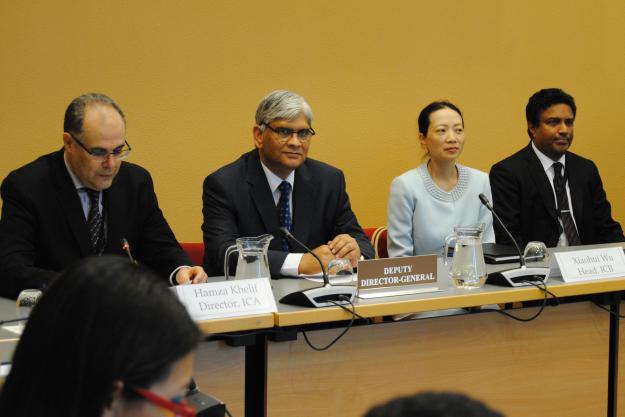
(276, 186)
(83, 200)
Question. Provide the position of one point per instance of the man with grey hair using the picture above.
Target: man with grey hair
(83, 200)
(276, 185)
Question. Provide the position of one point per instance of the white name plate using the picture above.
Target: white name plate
(222, 299)
(591, 264)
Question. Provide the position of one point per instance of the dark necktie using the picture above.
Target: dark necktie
(559, 184)
(95, 225)
(285, 211)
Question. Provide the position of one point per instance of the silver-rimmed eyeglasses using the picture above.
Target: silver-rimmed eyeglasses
(102, 155)
(284, 133)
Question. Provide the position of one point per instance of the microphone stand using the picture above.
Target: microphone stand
(327, 295)
(3, 322)
(126, 248)
(515, 277)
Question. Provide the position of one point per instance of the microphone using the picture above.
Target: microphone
(288, 234)
(204, 404)
(325, 296)
(486, 203)
(3, 322)
(515, 277)
(126, 248)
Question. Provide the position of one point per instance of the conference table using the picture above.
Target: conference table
(8, 338)
(563, 363)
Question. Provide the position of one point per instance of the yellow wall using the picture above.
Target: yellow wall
(189, 75)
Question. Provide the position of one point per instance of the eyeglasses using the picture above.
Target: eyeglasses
(102, 155)
(176, 405)
(284, 133)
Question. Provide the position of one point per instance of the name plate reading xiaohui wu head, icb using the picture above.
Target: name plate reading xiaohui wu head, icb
(591, 264)
(397, 276)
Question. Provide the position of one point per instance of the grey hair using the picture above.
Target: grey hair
(75, 113)
(282, 104)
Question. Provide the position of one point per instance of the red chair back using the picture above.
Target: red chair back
(195, 252)
(378, 237)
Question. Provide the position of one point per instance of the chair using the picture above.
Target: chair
(378, 237)
(195, 252)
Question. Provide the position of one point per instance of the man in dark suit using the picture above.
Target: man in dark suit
(546, 193)
(83, 200)
(276, 185)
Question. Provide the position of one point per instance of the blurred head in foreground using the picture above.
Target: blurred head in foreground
(433, 404)
(105, 339)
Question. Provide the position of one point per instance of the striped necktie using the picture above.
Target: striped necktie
(95, 223)
(564, 213)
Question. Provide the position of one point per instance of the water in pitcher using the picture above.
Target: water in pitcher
(468, 269)
(252, 264)
(252, 261)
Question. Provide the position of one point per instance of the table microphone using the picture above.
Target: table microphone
(516, 277)
(204, 404)
(126, 248)
(327, 295)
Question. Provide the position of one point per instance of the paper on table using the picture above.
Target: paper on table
(336, 279)
(5, 368)
(16, 328)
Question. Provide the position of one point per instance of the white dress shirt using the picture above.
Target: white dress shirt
(290, 267)
(547, 164)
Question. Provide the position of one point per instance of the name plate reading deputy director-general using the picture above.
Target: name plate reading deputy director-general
(227, 298)
(591, 264)
(397, 276)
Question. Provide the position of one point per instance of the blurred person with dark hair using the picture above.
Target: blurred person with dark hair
(433, 404)
(106, 339)
(545, 192)
(83, 200)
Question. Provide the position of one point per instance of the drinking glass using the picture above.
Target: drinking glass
(536, 252)
(26, 300)
(340, 271)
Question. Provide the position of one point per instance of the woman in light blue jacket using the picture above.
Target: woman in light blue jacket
(427, 202)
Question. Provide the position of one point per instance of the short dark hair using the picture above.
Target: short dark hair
(424, 116)
(542, 100)
(104, 320)
(433, 404)
(75, 112)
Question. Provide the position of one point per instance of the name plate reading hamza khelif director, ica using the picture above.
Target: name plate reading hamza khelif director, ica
(222, 299)
(397, 276)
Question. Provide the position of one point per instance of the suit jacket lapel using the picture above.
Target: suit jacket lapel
(573, 176)
(304, 192)
(113, 208)
(69, 201)
(538, 175)
(261, 195)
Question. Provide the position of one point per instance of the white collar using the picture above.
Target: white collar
(77, 183)
(275, 181)
(545, 160)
